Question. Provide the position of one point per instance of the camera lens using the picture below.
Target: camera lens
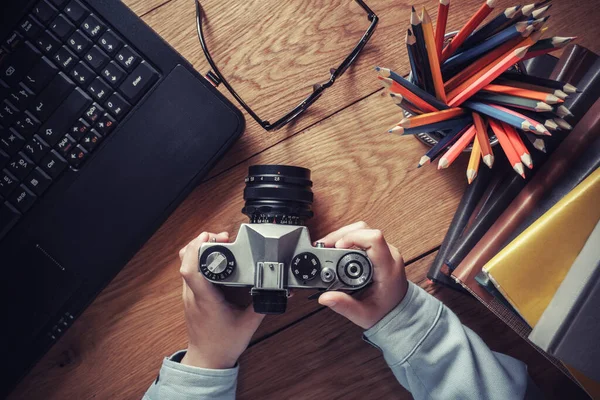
(279, 194)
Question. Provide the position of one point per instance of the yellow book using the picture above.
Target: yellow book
(530, 269)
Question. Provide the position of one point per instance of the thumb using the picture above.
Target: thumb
(347, 306)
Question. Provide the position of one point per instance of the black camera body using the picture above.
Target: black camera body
(274, 253)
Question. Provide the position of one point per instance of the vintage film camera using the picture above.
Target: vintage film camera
(274, 253)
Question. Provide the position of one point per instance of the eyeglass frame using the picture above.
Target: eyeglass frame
(318, 88)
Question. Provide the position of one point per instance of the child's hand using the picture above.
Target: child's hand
(389, 280)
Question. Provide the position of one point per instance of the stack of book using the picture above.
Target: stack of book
(529, 249)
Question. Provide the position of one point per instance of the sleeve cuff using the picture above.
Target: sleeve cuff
(173, 364)
(404, 328)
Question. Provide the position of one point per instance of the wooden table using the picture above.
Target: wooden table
(272, 52)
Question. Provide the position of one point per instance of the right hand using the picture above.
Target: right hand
(389, 279)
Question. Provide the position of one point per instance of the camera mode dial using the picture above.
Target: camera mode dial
(217, 263)
(354, 270)
(305, 266)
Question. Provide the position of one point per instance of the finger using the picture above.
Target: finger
(347, 306)
(189, 266)
(373, 242)
(252, 320)
(333, 237)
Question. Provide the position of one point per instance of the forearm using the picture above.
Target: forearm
(434, 356)
(176, 381)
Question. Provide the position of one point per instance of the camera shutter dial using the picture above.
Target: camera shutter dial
(305, 266)
(354, 270)
(217, 263)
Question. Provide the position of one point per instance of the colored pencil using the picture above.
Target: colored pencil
(484, 142)
(563, 124)
(498, 23)
(436, 126)
(457, 148)
(434, 62)
(432, 100)
(473, 166)
(534, 80)
(447, 140)
(512, 101)
(430, 118)
(413, 58)
(534, 54)
(539, 12)
(405, 104)
(554, 42)
(477, 18)
(545, 119)
(536, 88)
(518, 145)
(539, 127)
(527, 10)
(562, 112)
(500, 115)
(395, 87)
(536, 141)
(440, 26)
(475, 85)
(520, 29)
(509, 150)
(538, 23)
(417, 29)
(525, 93)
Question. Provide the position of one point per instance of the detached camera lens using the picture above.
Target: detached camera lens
(278, 194)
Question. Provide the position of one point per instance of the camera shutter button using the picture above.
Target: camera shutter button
(320, 245)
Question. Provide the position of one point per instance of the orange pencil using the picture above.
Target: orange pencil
(407, 94)
(539, 127)
(434, 61)
(477, 18)
(457, 148)
(474, 85)
(430, 118)
(440, 26)
(484, 142)
(509, 150)
(525, 93)
(518, 145)
(488, 60)
(473, 166)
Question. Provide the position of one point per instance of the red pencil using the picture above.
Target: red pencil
(440, 26)
(509, 150)
(477, 18)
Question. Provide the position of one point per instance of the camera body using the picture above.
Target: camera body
(274, 252)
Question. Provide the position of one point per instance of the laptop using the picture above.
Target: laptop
(104, 130)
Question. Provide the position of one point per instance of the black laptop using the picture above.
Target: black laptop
(104, 130)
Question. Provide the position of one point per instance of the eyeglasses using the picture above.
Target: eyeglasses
(318, 88)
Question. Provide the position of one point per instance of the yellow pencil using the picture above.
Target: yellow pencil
(473, 166)
(434, 61)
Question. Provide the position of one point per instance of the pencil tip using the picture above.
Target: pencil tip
(526, 158)
(443, 163)
(488, 160)
(570, 88)
(520, 169)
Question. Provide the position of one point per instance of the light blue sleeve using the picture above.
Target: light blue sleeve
(435, 357)
(177, 381)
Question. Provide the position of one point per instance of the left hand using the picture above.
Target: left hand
(218, 331)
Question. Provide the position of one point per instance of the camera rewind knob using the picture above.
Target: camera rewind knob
(217, 263)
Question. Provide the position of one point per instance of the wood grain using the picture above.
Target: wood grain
(114, 350)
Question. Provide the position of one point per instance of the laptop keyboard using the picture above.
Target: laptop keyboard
(66, 81)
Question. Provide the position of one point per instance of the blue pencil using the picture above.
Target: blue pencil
(460, 59)
(435, 151)
(426, 96)
(500, 115)
(436, 126)
(501, 21)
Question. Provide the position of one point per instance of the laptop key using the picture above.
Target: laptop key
(26, 125)
(3, 159)
(110, 42)
(80, 128)
(30, 27)
(77, 156)
(53, 164)
(91, 140)
(117, 106)
(99, 89)
(79, 43)
(13, 40)
(8, 113)
(10, 141)
(128, 58)
(7, 183)
(105, 124)
(21, 96)
(62, 27)
(59, 3)
(17, 64)
(76, 11)
(48, 43)
(37, 181)
(65, 145)
(52, 96)
(20, 166)
(65, 115)
(22, 198)
(93, 26)
(36, 149)
(93, 113)
(96, 58)
(82, 74)
(65, 58)
(113, 74)
(8, 218)
(138, 82)
(44, 12)
(41, 73)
